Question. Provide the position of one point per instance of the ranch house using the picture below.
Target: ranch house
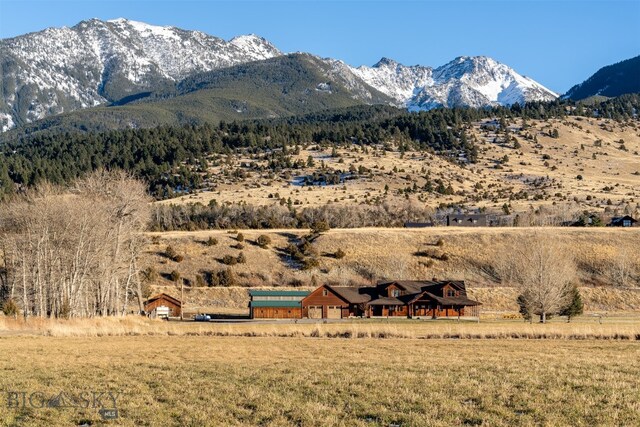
(410, 299)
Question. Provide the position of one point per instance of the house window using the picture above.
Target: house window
(325, 292)
(395, 292)
(451, 293)
(626, 223)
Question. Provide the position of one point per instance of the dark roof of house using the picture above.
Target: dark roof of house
(618, 219)
(459, 300)
(418, 286)
(352, 294)
(378, 295)
(163, 296)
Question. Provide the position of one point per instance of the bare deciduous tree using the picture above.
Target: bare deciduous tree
(543, 270)
(73, 252)
(623, 268)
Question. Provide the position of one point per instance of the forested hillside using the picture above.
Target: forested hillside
(175, 158)
(612, 80)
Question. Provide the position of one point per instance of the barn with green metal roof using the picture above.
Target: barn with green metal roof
(275, 304)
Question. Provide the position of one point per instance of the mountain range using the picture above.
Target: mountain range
(123, 73)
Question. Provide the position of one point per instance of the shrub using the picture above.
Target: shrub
(240, 237)
(10, 308)
(239, 246)
(175, 275)
(212, 241)
(170, 253)
(307, 249)
(318, 227)
(200, 282)
(263, 241)
(229, 260)
(178, 258)
(310, 263)
(150, 274)
(241, 258)
(155, 240)
(226, 278)
(440, 242)
(444, 257)
(339, 254)
(294, 252)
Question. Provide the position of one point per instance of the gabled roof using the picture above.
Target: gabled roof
(418, 286)
(163, 296)
(387, 301)
(352, 294)
(459, 300)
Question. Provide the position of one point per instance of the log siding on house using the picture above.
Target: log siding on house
(391, 299)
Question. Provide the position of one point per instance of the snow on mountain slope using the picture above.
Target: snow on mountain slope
(396, 80)
(477, 82)
(466, 81)
(96, 62)
(63, 69)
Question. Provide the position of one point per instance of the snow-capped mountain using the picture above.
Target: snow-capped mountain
(94, 62)
(466, 81)
(478, 81)
(99, 62)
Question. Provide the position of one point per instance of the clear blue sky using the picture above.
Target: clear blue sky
(557, 43)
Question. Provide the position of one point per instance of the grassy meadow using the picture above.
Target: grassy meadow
(470, 254)
(276, 381)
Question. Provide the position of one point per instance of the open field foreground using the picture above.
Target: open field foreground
(220, 381)
(624, 327)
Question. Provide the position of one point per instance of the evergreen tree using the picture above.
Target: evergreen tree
(575, 306)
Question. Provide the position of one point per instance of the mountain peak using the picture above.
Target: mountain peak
(386, 62)
(258, 46)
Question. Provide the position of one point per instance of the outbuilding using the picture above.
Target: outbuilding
(163, 306)
(266, 304)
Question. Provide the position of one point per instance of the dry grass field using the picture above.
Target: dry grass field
(471, 255)
(618, 327)
(545, 167)
(271, 381)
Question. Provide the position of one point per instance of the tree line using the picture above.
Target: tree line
(173, 159)
(73, 252)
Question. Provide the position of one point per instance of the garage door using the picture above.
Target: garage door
(315, 312)
(334, 312)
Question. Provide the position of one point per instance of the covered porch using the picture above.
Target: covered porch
(387, 307)
(432, 306)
